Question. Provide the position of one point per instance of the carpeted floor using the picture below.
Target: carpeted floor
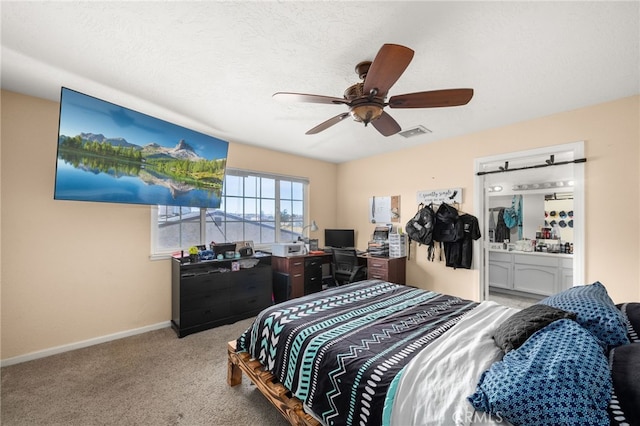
(149, 379)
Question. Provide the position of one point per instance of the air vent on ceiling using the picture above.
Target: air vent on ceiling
(416, 131)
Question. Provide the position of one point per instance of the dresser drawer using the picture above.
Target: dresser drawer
(204, 315)
(375, 263)
(250, 304)
(378, 269)
(296, 277)
(392, 269)
(254, 283)
(191, 302)
(296, 266)
(205, 283)
(379, 274)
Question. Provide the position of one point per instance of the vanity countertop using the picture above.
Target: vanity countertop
(532, 253)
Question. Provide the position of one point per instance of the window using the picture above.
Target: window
(259, 207)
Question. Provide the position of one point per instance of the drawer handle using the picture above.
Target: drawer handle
(297, 275)
(377, 265)
(377, 276)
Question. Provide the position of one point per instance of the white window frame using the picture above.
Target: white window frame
(158, 253)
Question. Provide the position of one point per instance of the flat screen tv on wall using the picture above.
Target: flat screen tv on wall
(113, 154)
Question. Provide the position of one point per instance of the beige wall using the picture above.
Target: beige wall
(611, 132)
(73, 271)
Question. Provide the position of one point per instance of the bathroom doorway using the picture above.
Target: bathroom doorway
(513, 269)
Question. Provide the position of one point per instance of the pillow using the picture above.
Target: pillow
(520, 326)
(560, 375)
(595, 311)
(624, 407)
(632, 312)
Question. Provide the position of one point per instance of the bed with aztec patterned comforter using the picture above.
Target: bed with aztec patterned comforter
(377, 353)
(343, 351)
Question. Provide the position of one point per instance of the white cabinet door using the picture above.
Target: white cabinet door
(541, 280)
(500, 274)
(536, 274)
(501, 270)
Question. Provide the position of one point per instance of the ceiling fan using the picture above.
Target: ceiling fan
(366, 100)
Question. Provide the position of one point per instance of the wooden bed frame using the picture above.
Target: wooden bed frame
(281, 398)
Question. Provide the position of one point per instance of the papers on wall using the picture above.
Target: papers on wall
(384, 209)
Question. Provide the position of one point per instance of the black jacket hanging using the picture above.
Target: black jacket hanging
(502, 231)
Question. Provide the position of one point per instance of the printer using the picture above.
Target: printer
(288, 249)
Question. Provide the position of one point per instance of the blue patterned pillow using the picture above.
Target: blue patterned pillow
(595, 311)
(560, 375)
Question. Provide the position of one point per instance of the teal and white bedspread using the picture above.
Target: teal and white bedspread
(373, 353)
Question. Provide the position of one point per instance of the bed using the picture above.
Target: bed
(374, 352)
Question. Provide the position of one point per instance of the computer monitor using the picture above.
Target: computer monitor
(340, 238)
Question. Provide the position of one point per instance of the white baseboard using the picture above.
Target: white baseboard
(83, 344)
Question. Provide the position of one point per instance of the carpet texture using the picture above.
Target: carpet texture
(148, 379)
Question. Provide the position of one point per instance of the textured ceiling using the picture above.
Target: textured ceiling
(213, 66)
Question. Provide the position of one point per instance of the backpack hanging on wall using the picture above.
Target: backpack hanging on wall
(447, 227)
(420, 227)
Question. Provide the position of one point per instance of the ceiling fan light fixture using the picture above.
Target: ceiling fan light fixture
(366, 113)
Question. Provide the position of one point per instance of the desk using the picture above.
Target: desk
(304, 272)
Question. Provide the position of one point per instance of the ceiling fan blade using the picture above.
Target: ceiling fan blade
(326, 124)
(386, 68)
(302, 97)
(432, 99)
(386, 125)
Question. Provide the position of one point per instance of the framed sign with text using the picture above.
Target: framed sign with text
(439, 196)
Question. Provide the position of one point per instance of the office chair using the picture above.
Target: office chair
(345, 267)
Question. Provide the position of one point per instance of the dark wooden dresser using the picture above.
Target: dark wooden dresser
(208, 294)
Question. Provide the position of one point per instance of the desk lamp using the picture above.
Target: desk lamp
(313, 226)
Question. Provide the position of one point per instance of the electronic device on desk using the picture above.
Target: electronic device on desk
(339, 238)
(245, 248)
(287, 249)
